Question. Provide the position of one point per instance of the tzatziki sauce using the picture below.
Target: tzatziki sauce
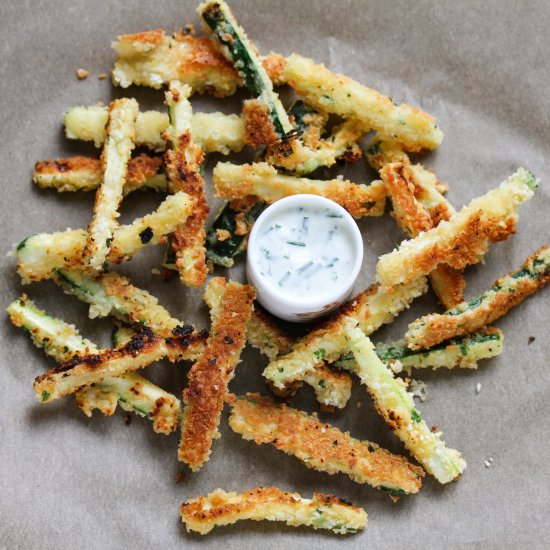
(303, 252)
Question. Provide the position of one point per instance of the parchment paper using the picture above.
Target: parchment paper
(72, 482)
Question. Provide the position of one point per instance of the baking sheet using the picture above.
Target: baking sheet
(72, 482)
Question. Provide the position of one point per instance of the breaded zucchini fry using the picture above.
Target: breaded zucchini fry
(482, 310)
(396, 406)
(142, 350)
(269, 503)
(266, 110)
(152, 59)
(214, 132)
(411, 128)
(183, 163)
(40, 255)
(372, 308)
(464, 238)
(406, 191)
(331, 387)
(85, 174)
(134, 393)
(263, 181)
(209, 377)
(462, 352)
(321, 446)
(117, 149)
(113, 294)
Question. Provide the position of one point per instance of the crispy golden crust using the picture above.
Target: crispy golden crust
(188, 238)
(439, 327)
(405, 191)
(142, 350)
(146, 39)
(210, 375)
(140, 168)
(321, 446)
(274, 64)
(259, 129)
(270, 503)
(59, 166)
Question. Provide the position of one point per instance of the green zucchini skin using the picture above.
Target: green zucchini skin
(217, 18)
(460, 352)
(222, 252)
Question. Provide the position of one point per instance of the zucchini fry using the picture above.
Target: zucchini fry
(484, 309)
(40, 255)
(152, 59)
(321, 446)
(117, 149)
(263, 181)
(85, 174)
(464, 238)
(331, 387)
(214, 132)
(411, 128)
(113, 294)
(462, 352)
(209, 377)
(142, 350)
(228, 235)
(403, 188)
(371, 308)
(270, 503)
(183, 163)
(396, 406)
(266, 112)
(133, 392)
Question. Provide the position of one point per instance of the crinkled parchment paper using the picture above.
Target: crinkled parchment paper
(481, 68)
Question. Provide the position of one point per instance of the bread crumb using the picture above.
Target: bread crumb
(478, 387)
(530, 340)
(418, 388)
(326, 408)
(359, 404)
(102, 76)
(127, 419)
(222, 234)
(155, 271)
(487, 464)
(82, 74)
(180, 476)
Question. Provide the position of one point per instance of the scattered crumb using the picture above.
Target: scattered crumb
(155, 271)
(530, 340)
(222, 234)
(326, 408)
(102, 76)
(359, 404)
(127, 419)
(180, 476)
(491, 459)
(487, 464)
(82, 74)
(419, 389)
(478, 387)
(433, 429)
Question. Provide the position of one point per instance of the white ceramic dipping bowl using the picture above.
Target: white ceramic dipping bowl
(303, 307)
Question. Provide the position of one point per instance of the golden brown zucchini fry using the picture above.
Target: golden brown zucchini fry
(463, 239)
(183, 163)
(263, 181)
(411, 128)
(209, 377)
(403, 188)
(321, 446)
(85, 174)
(142, 350)
(471, 315)
(270, 503)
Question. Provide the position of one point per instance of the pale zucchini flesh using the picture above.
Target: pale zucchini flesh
(397, 407)
(119, 143)
(214, 132)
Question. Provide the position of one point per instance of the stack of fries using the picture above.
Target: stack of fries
(290, 145)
